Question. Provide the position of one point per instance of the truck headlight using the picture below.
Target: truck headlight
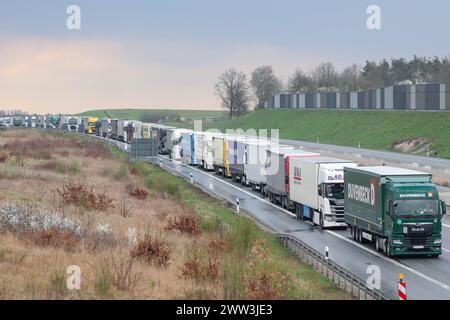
(438, 241)
(397, 242)
(327, 217)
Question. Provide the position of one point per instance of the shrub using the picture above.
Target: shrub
(55, 238)
(105, 233)
(151, 250)
(3, 157)
(139, 193)
(123, 275)
(80, 195)
(201, 267)
(263, 280)
(186, 223)
(134, 171)
(43, 227)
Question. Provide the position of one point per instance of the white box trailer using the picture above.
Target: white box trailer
(188, 148)
(204, 149)
(255, 160)
(277, 174)
(236, 157)
(317, 189)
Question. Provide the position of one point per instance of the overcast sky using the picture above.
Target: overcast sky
(168, 54)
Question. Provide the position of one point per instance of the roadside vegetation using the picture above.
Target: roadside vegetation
(134, 230)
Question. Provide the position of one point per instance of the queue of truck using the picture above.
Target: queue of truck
(397, 210)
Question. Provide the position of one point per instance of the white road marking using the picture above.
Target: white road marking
(395, 262)
(446, 225)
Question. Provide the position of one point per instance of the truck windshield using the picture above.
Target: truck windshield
(417, 207)
(91, 124)
(334, 190)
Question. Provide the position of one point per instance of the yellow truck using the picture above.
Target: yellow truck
(91, 124)
(220, 155)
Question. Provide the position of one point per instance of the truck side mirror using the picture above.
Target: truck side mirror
(444, 207)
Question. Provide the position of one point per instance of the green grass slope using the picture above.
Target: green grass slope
(136, 113)
(379, 130)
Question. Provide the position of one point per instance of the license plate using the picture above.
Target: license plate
(418, 247)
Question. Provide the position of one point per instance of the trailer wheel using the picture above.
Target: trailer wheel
(358, 235)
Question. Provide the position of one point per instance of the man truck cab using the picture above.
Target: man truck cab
(396, 209)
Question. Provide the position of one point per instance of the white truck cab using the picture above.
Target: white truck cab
(317, 189)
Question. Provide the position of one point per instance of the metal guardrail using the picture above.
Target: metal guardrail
(339, 275)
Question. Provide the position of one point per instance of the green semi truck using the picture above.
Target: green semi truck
(396, 209)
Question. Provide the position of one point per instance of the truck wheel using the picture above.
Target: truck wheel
(353, 230)
(321, 222)
(358, 235)
(377, 244)
(388, 249)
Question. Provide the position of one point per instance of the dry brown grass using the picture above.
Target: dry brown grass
(32, 267)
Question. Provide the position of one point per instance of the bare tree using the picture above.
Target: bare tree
(233, 90)
(264, 84)
(300, 82)
(325, 76)
(350, 78)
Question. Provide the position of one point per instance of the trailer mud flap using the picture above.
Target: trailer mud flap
(307, 212)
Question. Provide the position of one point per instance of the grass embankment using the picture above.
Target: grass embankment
(379, 130)
(134, 230)
(136, 114)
